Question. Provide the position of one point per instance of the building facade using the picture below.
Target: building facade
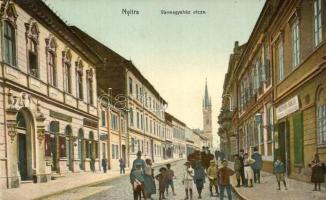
(48, 89)
(280, 79)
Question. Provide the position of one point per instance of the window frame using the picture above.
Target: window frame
(317, 20)
(11, 59)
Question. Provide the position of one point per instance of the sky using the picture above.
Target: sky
(176, 53)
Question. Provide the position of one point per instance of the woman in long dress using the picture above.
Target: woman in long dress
(149, 182)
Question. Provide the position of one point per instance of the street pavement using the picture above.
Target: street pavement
(120, 189)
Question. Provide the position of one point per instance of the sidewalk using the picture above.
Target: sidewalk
(70, 181)
(297, 190)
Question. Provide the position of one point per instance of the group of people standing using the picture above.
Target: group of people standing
(143, 180)
(218, 178)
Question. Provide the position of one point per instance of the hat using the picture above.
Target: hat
(224, 161)
(139, 153)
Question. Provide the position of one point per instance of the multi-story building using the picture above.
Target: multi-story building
(168, 133)
(280, 80)
(112, 132)
(228, 117)
(179, 139)
(48, 109)
(135, 96)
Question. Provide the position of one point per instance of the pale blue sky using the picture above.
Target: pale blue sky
(175, 53)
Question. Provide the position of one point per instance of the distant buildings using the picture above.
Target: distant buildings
(274, 92)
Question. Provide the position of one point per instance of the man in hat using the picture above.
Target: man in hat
(212, 176)
(187, 180)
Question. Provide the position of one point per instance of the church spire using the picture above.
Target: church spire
(207, 99)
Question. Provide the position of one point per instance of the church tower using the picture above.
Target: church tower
(207, 116)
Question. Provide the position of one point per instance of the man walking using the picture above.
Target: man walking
(257, 165)
(104, 164)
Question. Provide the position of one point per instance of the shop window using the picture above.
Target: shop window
(62, 146)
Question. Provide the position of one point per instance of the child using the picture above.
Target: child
(249, 174)
(187, 180)
(223, 175)
(169, 179)
(237, 169)
(137, 181)
(161, 181)
(212, 176)
(279, 172)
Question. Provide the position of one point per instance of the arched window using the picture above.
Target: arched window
(321, 116)
(51, 47)
(9, 43)
(66, 55)
(32, 35)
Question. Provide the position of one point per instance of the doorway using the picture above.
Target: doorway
(283, 144)
(24, 144)
(69, 147)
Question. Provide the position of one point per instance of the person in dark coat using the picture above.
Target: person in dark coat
(317, 174)
(217, 154)
(122, 166)
(199, 177)
(256, 167)
(104, 164)
(242, 175)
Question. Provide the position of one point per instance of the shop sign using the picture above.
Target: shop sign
(90, 123)
(61, 116)
(287, 108)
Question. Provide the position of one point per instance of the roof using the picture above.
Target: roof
(170, 118)
(107, 54)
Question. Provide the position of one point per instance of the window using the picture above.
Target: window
(295, 44)
(79, 80)
(52, 70)
(138, 120)
(32, 58)
(137, 93)
(267, 63)
(280, 60)
(114, 122)
(146, 124)
(142, 122)
(321, 117)
(103, 117)
(131, 117)
(260, 73)
(90, 89)
(9, 44)
(51, 46)
(130, 85)
(269, 123)
(113, 151)
(67, 76)
(317, 22)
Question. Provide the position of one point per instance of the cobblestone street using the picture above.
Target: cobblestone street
(120, 188)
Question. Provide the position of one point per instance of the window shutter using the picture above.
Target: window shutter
(298, 139)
